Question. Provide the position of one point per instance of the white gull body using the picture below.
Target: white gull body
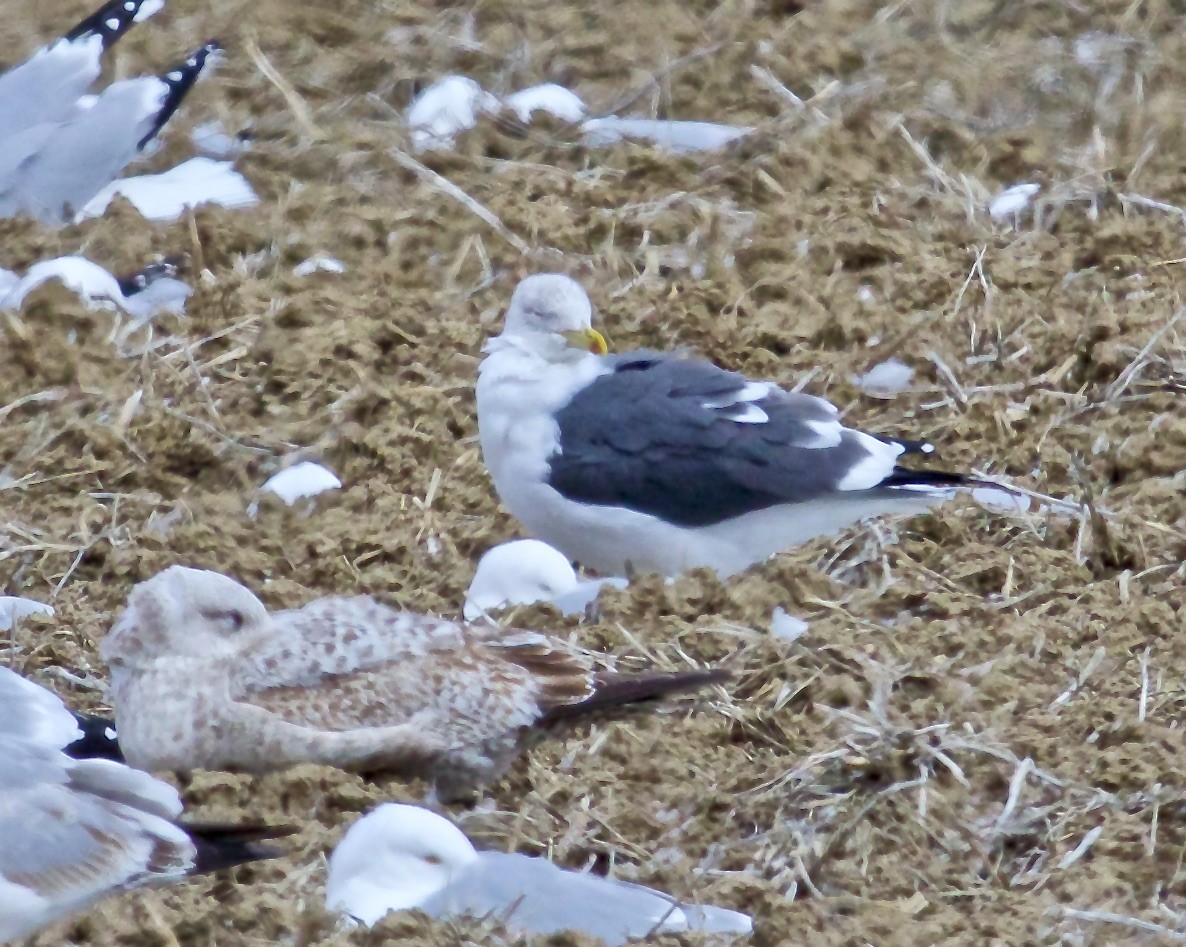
(652, 462)
(447, 107)
(401, 858)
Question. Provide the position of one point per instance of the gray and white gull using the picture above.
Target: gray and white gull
(62, 147)
(75, 830)
(46, 87)
(659, 462)
(403, 858)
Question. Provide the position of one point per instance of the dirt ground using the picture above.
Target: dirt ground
(976, 742)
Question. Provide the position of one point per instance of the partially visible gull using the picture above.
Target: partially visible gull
(448, 106)
(166, 196)
(73, 831)
(46, 86)
(679, 137)
(659, 462)
(143, 294)
(51, 170)
(527, 571)
(13, 608)
(204, 677)
(403, 858)
(550, 98)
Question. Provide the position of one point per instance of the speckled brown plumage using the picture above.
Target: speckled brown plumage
(204, 677)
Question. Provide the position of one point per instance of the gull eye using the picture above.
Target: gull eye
(433, 859)
(229, 617)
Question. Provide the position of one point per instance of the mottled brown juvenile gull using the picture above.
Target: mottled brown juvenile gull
(659, 462)
(76, 830)
(203, 677)
(403, 858)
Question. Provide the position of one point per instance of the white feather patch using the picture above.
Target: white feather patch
(749, 414)
(166, 196)
(301, 481)
(827, 434)
(877, 464)
(12, 609)
(747, 393)
(754, 391)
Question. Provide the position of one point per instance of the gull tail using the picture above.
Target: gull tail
(112, 20)
(180, 79)
(612, 690)
(225, 846)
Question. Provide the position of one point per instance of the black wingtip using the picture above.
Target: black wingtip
(133, 283)
(180, 79)
(613, 690)
(907, 477)
(98, 740)
(112, 20)
(914, 447)
(226, 846)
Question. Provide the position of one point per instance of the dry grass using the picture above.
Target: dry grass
(977, 741)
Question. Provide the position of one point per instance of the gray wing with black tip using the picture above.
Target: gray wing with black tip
(694, 444)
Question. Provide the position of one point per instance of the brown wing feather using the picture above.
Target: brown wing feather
(619, 690)
(467, 694)
(346, 664)
(559, 677)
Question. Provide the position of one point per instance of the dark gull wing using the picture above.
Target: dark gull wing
(695, 445)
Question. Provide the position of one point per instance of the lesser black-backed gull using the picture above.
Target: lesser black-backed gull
(660, 462)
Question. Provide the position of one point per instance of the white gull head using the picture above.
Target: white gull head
(518, 573)
(394, 859)
(183, 612)
(550, 316)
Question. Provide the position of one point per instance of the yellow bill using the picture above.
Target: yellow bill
(589, 339)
